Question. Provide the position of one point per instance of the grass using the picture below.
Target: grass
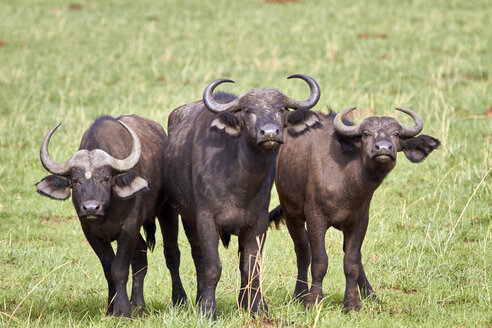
(428, 249)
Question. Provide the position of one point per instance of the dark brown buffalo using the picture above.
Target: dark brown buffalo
(116, 179)
(327, 178)
(220, 163)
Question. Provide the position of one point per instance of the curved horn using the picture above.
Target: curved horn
(345, 130)
(209, 101)
(313, 96)
(123, 165)
(49, 164)
(418, 125)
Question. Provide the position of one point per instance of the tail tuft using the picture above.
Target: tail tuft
(276, 216)
(226, 238)
(150, 235)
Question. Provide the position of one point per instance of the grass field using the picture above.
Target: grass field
(428, 249)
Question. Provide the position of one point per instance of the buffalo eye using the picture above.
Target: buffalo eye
(105, 180)
(75, 181)
(365, 134)
(282, 110)
(396, 134)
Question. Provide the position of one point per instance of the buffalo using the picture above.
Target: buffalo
(220, 164)
(327, 178)
(116, 180)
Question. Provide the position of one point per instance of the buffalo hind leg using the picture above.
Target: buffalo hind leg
(298, 234)
(168, 221)
(365, 287)
(316, 230)
(139, 270)
(250, 249)
(105, 253)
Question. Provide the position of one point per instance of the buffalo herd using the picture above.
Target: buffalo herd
(215, 169)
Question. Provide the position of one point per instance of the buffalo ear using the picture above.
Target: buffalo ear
(54, 186)
(302, 120)
(416, 149)
(127, 185)
(226, 123)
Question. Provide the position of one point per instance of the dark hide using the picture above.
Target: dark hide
(114, 206)
(220, 183)
(325, 179)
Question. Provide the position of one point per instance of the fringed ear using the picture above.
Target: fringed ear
(302, 120)
(416, 149)
(347, 145)
(128, 185)
(54, 186)
(227, 124)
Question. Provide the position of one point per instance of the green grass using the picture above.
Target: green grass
(428, 249)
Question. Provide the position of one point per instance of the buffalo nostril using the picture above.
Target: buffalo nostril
(262, 132)
(277, 131)
(377, 147)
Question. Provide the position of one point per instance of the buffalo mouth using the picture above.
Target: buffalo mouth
(383, 157)
(270, 144)
(91, 217)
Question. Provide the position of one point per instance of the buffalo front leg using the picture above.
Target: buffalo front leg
(168, 221)
(352, 266)
(209, 246)
(105, 253)
(298, 234)
(126, 244)
(250, 249)
(319, 263)
(196, 253)
(139, 270)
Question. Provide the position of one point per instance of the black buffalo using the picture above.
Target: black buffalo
(220, 163)
(327, 178)
(116, 179)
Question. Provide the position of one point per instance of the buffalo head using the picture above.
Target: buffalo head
(261, 113)
(93, 176)
(380, 138)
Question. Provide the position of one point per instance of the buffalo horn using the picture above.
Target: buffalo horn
(345, 130)
(313, 98)
(211, 104)
(407, 132)
(49, 164)
(120, 165)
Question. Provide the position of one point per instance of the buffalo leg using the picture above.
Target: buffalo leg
(298, 234)
(250, 249)
(127, 242)
(364, 285)
(352, 266)
(196, 253)
(168, 221)
(319, 263)
(105, 253)
(209, 246)
(139, 270)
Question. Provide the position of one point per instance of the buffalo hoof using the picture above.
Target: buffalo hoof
(313, 299)
(301, 296)
(179, 298)
(138, 308)
(352, 305)
(209, 309)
